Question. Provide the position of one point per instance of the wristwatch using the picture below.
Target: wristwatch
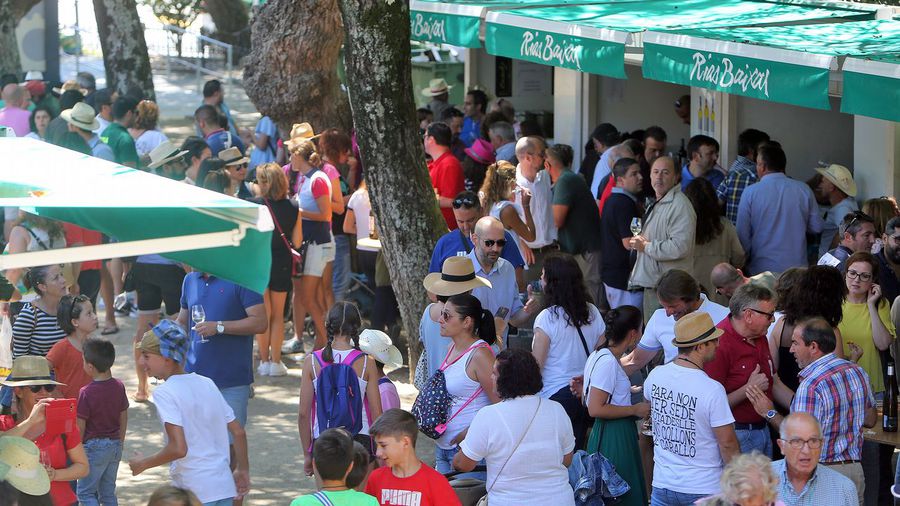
(770, 414)
(220, 327)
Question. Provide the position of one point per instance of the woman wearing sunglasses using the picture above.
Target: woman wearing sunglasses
(31, 383)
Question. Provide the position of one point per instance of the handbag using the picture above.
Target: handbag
(484, 500)
(434, 401)
(296, 256)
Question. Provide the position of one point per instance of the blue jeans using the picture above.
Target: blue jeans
(758, 439)
(443, 463)
(341, 266)
(99, 486)
(237, 398)
(665, 497)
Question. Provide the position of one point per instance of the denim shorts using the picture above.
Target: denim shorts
(317, 256)
(237, 398)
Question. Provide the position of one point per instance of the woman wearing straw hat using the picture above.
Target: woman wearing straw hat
(21, 472)
(31, 382)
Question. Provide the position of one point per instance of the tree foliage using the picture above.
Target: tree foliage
(180, 13)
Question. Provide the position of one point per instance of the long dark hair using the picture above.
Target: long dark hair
(706, 205)
(820, 291)
(468, 306)
(619, 322)
(343, 319)
(564, 288)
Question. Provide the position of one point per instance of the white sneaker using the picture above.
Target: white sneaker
(264, 369)
(277, 369)
(291, 346)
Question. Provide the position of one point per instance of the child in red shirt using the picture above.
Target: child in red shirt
(404, 479)
(76, 318)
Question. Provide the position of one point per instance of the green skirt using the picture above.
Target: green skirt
(619, 445)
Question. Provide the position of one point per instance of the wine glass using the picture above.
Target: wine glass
(198, 315)
(636, 226)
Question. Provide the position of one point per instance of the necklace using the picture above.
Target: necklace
(690, 362)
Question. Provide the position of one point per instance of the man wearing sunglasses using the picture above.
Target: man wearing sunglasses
(857, 232)
(466, 211)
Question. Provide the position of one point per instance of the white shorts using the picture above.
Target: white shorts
(317, 256)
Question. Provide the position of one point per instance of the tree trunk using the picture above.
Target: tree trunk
(232, 25)
(291, 72)
(124, 48)
(11, 12)
(379, 75)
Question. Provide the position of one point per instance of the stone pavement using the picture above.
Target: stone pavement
(276, 462)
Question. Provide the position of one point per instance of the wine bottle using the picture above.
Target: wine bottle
(890, 400)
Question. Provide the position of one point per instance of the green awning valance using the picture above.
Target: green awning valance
(872, 87)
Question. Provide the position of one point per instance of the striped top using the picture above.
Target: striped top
(35, 332)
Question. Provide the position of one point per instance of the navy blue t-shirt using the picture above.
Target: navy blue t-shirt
(451, 244)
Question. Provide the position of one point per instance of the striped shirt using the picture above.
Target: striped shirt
(837, 393)
(741, 175)
(825, 486)
(35, 332)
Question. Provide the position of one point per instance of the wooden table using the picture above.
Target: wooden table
(877, 435)
(368, 244)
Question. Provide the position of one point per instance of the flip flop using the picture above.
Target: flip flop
(140, 398)
(109, 330)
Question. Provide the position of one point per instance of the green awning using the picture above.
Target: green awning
(872, 87)
(789, 64)
(592, 38)
(221, 235)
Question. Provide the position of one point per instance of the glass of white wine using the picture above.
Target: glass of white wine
(198, 315)
(636, 226)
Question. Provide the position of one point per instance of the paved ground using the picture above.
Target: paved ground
(276, 462)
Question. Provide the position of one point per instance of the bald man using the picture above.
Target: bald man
(727, 278)
(502, 300)
(15, 115)
(802, 482)
(530, 174)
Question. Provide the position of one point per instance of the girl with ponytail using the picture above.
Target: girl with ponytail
(467, 370)
(607, 395)
(342, 326)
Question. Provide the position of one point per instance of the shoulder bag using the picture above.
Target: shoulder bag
(484, 500)
(296, 256)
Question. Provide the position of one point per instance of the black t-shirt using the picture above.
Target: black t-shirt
(285, 212)
(615, 225)
(580, 231)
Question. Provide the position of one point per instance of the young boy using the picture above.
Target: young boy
(196, 420)
(333, 457)
(404, 479)
(102, 421)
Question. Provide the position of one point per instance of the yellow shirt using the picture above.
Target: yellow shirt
(856, 327)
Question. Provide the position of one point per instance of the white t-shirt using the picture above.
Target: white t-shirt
(604, 372)
(660, 329)
(148, 141)
(362, 208)
(494, 433)
(686, 405)
(566, 356)
(193, 403)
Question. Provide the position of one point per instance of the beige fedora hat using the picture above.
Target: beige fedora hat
(841, 177)
(20, 466)
(29, 370)
(71, 84)
(695, 328)
(300, 132)
(232, 156)
(82, 116)
(379, 346)
(436, 87)
(457, 276)
(163, 154)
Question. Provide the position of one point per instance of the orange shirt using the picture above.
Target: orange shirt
(68, 363)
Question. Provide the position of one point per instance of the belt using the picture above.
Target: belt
(750, 426)
(841, 462)
(550, 247)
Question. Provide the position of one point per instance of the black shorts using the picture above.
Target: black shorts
(158, 283)
(280, 274)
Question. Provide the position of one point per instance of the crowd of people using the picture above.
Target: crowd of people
(644, 328)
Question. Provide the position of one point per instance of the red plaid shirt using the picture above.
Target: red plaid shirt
(837, 393)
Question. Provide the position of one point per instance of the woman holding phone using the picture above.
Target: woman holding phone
(33, 387)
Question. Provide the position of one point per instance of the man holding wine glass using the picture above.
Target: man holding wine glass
(621, 220)
(667, 239)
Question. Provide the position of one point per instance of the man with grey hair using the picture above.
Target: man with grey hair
(857, 233)
(743, 360)
(802, 482)
(530, 175)
(502, 299)
(503, 138)
(15, 114)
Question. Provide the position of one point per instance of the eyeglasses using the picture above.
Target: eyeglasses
(464, 202)
(769, 316)
(445, 315)
(797, 443)
(499, 242)
(37, 388)
(862, 276)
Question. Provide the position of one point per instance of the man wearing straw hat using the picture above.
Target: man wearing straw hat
(839, 188)
(693, 428)
(82, 121)
(168, 161)
(439, 91)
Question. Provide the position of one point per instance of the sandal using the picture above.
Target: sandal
(137, 397)
(109, 330)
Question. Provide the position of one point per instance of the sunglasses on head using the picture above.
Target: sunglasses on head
(464, 202)
(37, 388)
(498, 242)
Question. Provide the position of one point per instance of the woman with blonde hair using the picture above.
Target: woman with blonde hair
(145, 131)
(272, 185)
(748, 480)
(498, 196)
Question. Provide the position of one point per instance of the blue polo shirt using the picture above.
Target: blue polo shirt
(451, 244)
(226, 359)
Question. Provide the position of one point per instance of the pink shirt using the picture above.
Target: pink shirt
(389, 397)
(17, 119)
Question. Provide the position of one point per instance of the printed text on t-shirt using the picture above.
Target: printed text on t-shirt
(674, 427)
